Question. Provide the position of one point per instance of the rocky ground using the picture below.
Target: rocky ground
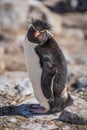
(16, 94)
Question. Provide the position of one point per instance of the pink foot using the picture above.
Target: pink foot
(36, 108)
(39, 111)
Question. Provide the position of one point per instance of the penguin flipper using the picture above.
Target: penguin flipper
(46, 81)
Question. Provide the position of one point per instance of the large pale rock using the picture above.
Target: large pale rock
(12, 13)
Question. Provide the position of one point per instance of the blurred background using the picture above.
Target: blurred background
(69, 21)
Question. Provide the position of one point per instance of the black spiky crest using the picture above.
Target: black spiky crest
(43, 25)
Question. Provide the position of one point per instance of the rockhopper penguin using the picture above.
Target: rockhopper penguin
(47, 68)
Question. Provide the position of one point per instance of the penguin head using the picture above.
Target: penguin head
(39, 32)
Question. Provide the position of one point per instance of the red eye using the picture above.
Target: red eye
(37, 33)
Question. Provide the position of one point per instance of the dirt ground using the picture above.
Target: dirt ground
(73, 41)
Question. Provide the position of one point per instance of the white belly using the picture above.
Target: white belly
(34, 71)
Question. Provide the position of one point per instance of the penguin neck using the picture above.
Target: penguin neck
(42, 43)
(37, 44)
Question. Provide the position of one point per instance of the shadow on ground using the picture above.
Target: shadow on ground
(22, 110)
(25, 111)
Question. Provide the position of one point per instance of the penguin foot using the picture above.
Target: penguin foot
(65, 103)
(35, 106)
(40, 111)
(37, 109)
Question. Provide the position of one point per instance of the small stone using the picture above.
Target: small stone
(13, 120)
(24, 87)
(66, 127)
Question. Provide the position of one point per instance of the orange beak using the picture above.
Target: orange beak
(37, 33)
